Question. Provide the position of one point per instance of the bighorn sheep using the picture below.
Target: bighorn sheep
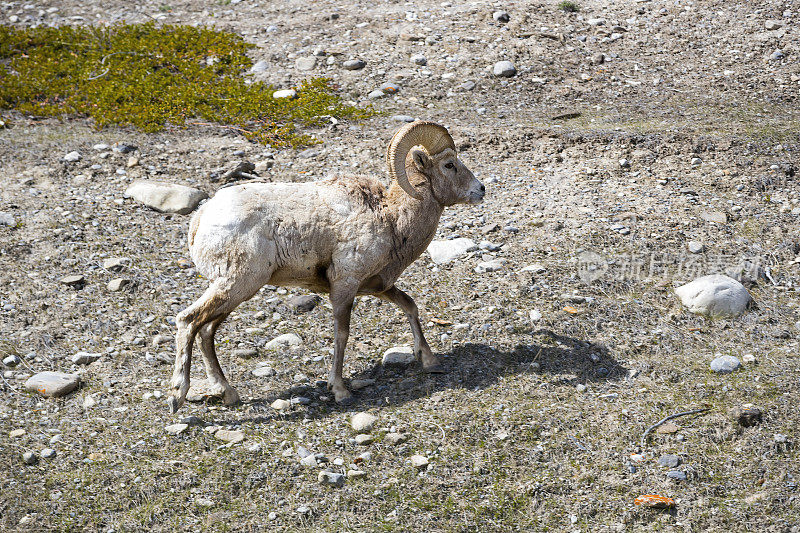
(345, 236)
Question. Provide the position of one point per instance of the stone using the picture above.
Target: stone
(305, 64)
(596, 21)
(442, 252)
(287, 340)
(76, 281)
(124, 148)
(667, 428)
(489, 266)
(749, 416)
(534, 315)
(166, 197)
(364, 439)
(389, 88)
(725, 364)
(669, 461)
(303, 303)
(332, 479)
(354, 64)
(16, 433)
(356, 474)
(260, 66)
(399, 356)
(30, 458)
(229, 436)
(52, 384)
(467, 85)
(84, 358)
(393, 439)
(677, 475)
(176, 429)
(777, 55)
(717, 217)
(358, 384)
(309, 460)
(245, 353)
(501, 16)
(114, 264)
(695, 247)
(12, 360)
(72, 157)
(376, 94)
(363, 422)
(192, 420)
(420, 462)
(504, 69)
(280, 405)
(291, 94)
(748, 358)
(715, 296)
(7, 219)
(48, 453)
(402, 118)
(772, 25)
(419, 59)
(264, 372)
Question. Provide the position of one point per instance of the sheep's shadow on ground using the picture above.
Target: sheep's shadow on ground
(565, 360)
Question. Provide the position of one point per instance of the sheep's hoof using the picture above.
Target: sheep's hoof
(231, 397)
(344, 398)
(173, 404)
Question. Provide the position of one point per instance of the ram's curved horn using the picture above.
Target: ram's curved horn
(430, 136)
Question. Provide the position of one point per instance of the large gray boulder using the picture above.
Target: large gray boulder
(715, 296)
(166, 197)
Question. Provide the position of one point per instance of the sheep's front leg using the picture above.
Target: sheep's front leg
(422, 351)
(342, 303)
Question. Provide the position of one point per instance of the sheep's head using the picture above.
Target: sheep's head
(428, 149)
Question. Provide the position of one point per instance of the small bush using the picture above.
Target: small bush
(150, 76)
(568, 7)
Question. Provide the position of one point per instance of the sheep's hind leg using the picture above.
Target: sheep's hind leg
(189, 322)
(422, 351)
(218, 384)
(342, 303)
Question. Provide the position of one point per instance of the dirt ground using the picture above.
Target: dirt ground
(629, 130)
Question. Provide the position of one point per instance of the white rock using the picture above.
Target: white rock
(285, 93)
(419, 461)
(504, 69)
(399, 356)
(535, 315)
(443, 252)
(261, 66)
(489, 266)
(52, 384)
(176, 429)
(695, 247)
(284, 341)
(715, 296)
(305, 64)
(363, 422)
(7, 219)
(166, 197)
(85, 358)
(72, 157)
(332, 479)
(280, 405)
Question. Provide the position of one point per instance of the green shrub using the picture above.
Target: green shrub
(569, 7)
(149, 76)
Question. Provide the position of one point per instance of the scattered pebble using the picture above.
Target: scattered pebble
(30, 458)
(393, 439)
(230, 436)
(419, 59)
(364, 439)
(363, 422)
(695, 247)
(72, 157)
(84, 358)
(331, 479)
(725, 364)
(677, 475)
(286, 340)
(176, 429)
(48, 453)
(354, 64)
(442, 252)
(419, 462)
(669, 461)
(166, 197)
(291, 94)
(280, 405)
(504, 69)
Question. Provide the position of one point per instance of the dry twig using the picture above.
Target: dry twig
(649, 430)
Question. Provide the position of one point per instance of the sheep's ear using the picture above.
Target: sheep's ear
(421, 159)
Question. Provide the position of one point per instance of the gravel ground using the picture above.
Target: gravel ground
(639, 146)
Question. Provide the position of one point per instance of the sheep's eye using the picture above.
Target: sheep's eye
(449, 166)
